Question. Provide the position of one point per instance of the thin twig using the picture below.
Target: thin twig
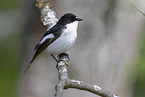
(88, 87)
(138, 9)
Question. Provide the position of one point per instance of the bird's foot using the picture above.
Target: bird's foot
(66, 54)
(63, 57)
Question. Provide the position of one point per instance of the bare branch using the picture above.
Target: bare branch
(65, 82)
(62, 74)
(88, 87)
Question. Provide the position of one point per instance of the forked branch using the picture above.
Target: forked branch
(65, 82)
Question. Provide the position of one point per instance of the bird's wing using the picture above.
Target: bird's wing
(44, 45)
(49, 37)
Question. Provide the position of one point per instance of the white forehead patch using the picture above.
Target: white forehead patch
(47, 37)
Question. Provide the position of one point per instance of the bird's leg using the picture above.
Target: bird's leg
(54, 58)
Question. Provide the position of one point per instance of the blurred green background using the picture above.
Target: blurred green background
(10, 47)
(9, 4)
(11, 43)
(139, 85)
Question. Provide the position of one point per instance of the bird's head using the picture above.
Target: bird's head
(68, 18)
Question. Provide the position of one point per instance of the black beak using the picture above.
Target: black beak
(79, 19)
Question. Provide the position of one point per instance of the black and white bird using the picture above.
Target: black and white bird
(58, 39)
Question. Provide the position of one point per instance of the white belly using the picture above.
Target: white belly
(65, 42)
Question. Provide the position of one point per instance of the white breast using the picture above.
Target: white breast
(65, 41)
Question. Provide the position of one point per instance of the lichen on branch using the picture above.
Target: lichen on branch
(48, 16)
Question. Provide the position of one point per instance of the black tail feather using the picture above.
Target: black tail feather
(29, 65)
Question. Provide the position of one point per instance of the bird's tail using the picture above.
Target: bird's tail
(29, 65)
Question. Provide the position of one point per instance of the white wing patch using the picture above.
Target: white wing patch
(47, 37)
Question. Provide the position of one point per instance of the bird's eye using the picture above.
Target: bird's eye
(78, 19)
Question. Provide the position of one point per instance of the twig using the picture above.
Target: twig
(88, 87)
(138, 9)
(65, 82)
